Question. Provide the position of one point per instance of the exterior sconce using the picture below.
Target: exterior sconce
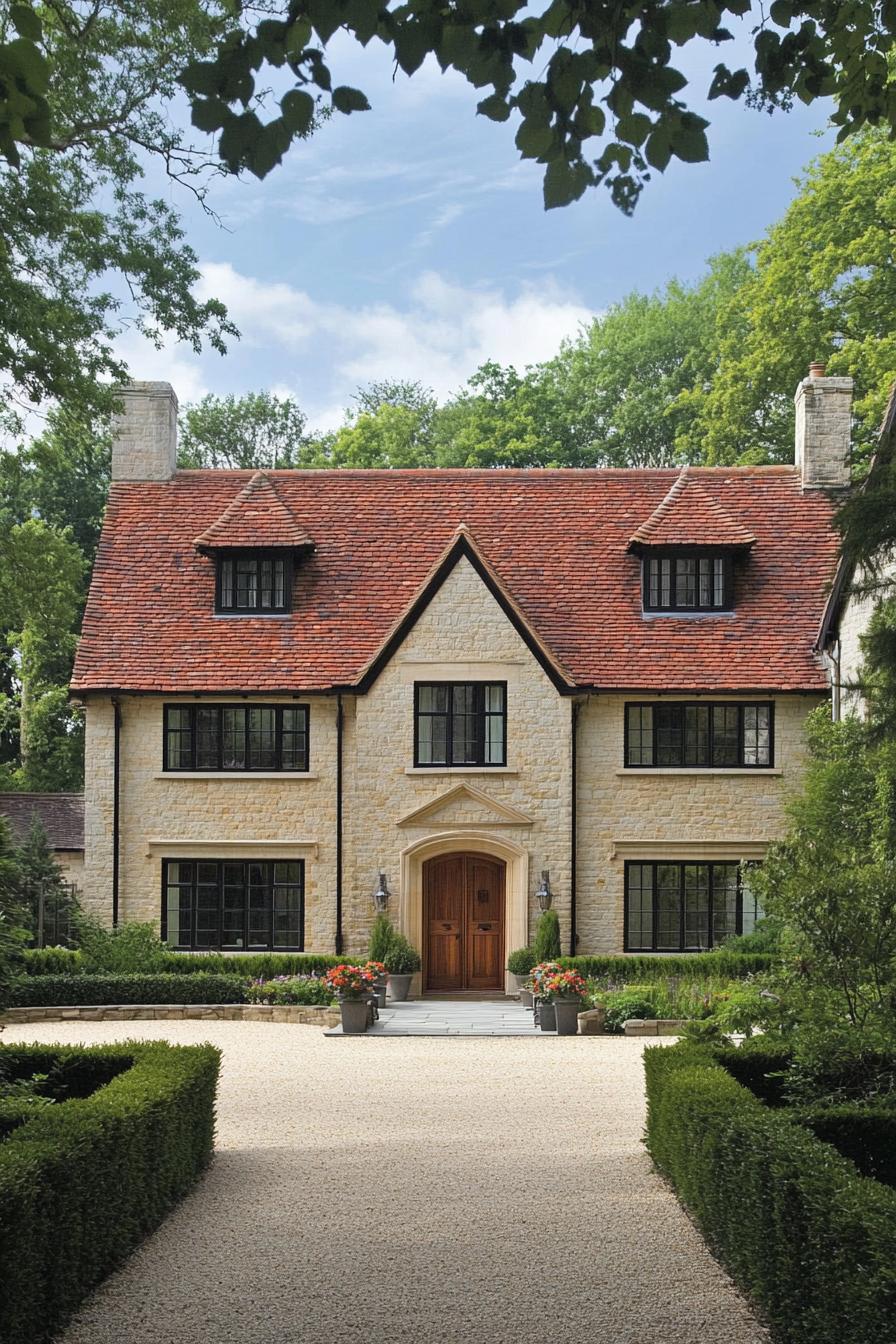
(544, 895)
(381, 895)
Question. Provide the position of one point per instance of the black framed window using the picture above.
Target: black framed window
(703, 734)
(460, 723)
(234, 905)
(236, 737)
(686, 907)
(256, 582)
(687, 582)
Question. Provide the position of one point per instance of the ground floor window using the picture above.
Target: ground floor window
(234, 905)
(686, 907)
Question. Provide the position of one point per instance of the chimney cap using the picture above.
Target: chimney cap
(816, 369)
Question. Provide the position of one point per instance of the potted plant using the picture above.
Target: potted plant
(547, 936)
(381, 935)
(520, 964)
(540, 973)
(352, 986)
(402, 963)
(566, 991)
(380, 980)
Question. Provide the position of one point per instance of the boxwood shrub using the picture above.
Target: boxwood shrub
(760, 1064)
(51, 961)
(83, 1182)
(253, 965)
(47, 991)
(807, 1237)
(864, 1134)
(695, 966)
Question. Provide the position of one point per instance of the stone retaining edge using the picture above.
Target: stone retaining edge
(303, 1014)
(654, 1026)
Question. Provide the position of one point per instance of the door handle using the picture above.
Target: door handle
(485, 928)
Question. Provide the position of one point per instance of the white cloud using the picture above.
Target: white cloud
(436, 331)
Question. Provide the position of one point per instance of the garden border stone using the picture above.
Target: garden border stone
(312, 1015)
(654, 1026)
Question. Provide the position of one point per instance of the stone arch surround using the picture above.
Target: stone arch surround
(516, 900)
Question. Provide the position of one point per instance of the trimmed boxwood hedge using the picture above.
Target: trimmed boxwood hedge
(809, 1239)
(47, 991)
(864, 1134)
(83, 1182)
(252, 965)
(695, 966)
(760, 1064)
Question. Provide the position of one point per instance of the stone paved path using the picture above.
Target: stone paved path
(414, 1191)
(453, 1017)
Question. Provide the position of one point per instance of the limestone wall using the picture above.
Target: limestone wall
(462, 636)
(238, 815)
(674, 814)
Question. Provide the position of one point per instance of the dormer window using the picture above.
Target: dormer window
(695, 582)
(256, 583)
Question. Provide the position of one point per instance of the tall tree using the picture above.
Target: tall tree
(824, 287)
(254, 430)
(62, 477)
(83, 250)
(41, 595)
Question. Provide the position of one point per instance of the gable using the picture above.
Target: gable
(463, 806)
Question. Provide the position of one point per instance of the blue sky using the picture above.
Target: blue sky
(411, 242)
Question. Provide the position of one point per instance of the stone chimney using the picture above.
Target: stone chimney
(144, 433)
(823, 425)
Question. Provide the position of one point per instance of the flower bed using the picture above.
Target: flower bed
(807, 1237)
(290, 989)
(84, 1181)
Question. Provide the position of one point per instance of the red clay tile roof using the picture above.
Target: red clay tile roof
(691, 516)
(557, 540)
(60, 814)
(256, 517)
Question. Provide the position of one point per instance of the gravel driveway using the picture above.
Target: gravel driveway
(467, 1191)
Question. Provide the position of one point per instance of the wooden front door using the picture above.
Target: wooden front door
(463, 920)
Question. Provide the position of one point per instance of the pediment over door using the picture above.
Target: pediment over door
(465, 805)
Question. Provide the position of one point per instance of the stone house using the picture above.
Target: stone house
(464, 692)
(853, 599)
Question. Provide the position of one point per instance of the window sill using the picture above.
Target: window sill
(460, 770)
(762, 770)
(245, 775)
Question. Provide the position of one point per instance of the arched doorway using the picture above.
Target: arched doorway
(515, 858)
(463, 922)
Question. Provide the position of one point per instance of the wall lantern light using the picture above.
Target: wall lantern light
(381, 895)
(544, 895)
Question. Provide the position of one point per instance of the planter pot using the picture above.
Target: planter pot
(354, 1016)
(526, 998)
(379, 994)
(399, 987)
(518, 982)
(567, 1012)
(547, 1018)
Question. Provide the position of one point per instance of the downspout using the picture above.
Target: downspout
(339, 732)
(573, 825)
(116, 810)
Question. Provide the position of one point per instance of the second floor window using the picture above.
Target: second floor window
(687, 583)
(254, 582)
(236, 737)
(460, 723)
(704, 735)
